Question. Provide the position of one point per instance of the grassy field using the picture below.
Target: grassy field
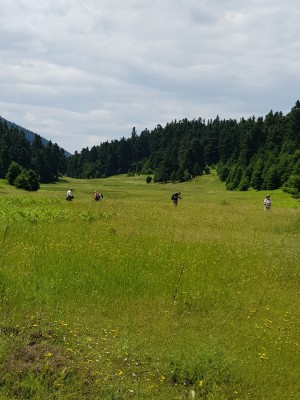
(132, 298)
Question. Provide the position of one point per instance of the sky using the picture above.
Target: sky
(82, 72)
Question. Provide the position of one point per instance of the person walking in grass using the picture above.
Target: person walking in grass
(175, 197)
(267, 202)
(70, 195)
(98, 196)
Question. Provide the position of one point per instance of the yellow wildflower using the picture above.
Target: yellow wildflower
(262, 356)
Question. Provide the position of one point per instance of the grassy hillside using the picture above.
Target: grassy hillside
(131, 298)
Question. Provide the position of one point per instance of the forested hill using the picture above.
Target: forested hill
(29, 135)
(47, 161)
(260, 153)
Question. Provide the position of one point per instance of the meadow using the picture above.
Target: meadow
(132, 298)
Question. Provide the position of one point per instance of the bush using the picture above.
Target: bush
(21, 181)
(207, 170)
(13, 171)
(27, 180)
(293, 182)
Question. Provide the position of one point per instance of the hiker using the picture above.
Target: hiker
(267, 202)
(70, 195)
(175, 197)
(98, 196)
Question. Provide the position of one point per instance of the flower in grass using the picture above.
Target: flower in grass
(200, 383)
(262, 356)
(162, 378)
(49, 354)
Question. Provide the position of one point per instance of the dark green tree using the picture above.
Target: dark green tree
(272, 178)
(13, 171)
(257, 178)
(194, 155)
(22, 181)
(292, 186)
(161, 174)
(244, 184)
(33, 180)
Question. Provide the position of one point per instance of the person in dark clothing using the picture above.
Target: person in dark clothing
(175, 197)
(98, 196)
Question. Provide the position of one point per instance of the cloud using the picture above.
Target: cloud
(83, 72)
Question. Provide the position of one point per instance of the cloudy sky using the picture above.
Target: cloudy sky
(80, 72)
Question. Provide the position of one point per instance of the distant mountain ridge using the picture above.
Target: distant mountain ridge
(29, 135)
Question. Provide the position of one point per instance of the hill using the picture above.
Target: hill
(43, 157)
(29, 135)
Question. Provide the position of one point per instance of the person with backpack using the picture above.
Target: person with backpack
(70, 196)
(175, 197)
(267, 203)
(98, 196)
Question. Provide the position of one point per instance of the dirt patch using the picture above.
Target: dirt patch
(35, 358)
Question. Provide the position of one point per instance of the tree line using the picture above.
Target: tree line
(26, 164)
(259, 153)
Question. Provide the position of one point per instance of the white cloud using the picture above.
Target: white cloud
(83, 72)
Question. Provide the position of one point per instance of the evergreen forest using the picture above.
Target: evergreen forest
(260, 153)
(19, 157)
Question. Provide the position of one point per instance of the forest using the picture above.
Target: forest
(260, 153)
(24, 160)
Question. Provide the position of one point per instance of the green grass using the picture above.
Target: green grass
(131, 298)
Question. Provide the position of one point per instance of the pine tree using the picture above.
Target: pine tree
(256, 178)
(33, 180)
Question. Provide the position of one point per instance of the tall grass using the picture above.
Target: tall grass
(133, 298)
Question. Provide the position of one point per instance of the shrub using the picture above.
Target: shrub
(292, 186)
(33, 180)
(21, 181)
(27, 180)
(13, 171)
